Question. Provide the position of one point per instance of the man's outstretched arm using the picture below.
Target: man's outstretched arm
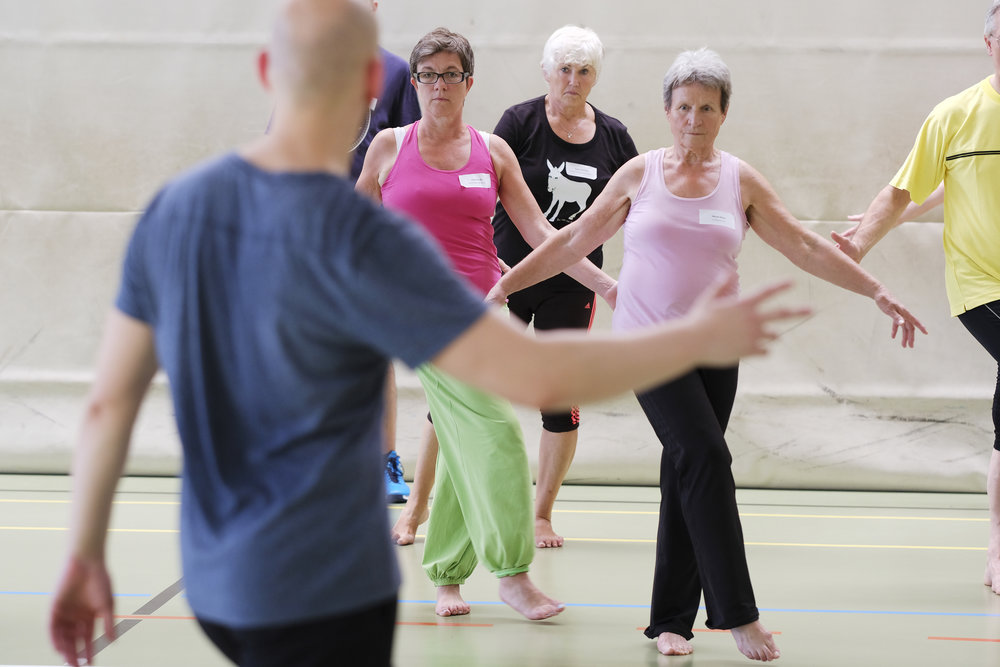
(560, 369)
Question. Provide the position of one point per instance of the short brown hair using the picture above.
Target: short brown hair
(443, 40)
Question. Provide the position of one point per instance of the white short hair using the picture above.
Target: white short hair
(991, 19)
(573, 45)
(702, 66)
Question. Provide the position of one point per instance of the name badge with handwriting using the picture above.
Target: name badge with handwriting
(581, 170)
(474, 180)
(718, 218)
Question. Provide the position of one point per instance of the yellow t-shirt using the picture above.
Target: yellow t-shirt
(959, 143)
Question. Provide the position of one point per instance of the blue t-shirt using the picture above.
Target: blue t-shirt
(276, 300)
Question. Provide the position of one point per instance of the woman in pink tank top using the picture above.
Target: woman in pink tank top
(447, 177)
(685, 210)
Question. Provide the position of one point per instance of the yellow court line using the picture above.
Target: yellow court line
(616, 540)
(863, 546)
(66, 502)
(791, 516)
(793, 544)
(110, 530)
(618, 512)
(863, 516)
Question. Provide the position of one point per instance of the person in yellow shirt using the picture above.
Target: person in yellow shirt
(959, 147)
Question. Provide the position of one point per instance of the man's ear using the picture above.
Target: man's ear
(373, 78)
(264, 68)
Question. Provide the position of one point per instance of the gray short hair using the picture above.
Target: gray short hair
(991, 22)
(443, 40)
(573, 45)
(703, 66)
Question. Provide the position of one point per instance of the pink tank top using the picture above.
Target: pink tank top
(675, 247)
(454, 206)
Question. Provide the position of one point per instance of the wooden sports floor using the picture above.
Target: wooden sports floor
(842, 578)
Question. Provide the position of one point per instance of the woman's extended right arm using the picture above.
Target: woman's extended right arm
(576, 240)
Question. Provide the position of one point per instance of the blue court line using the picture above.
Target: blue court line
(589, 605)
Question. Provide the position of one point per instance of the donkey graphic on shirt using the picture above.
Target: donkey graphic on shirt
(565, 190)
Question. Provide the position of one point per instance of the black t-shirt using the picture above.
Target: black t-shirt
(576, 174)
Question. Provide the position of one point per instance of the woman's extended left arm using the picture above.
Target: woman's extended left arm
(527, 217)
(814, 254)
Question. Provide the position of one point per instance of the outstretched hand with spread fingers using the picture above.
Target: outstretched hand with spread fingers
(737, 327)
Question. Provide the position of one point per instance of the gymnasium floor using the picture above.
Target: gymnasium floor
(843, 578)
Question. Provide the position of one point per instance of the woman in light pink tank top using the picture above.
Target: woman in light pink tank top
(447, 177)
(675, 247)
(685, 210)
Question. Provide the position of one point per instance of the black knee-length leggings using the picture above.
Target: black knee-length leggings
(699, 543)
(983, 323)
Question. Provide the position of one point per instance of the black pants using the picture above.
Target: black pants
(983, 323)
(699, 543)
(359, 638)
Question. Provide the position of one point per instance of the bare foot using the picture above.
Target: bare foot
(525, 598)
(670, 644)
(755, 642)
(405, 530)
(545, 537)
(450, 602)
(992, 578)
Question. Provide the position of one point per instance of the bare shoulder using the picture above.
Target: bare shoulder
(635, 166)
(753, 185)
(628, 177)
(379, 158)
(501, 153)
(383, 145)
(505, 163)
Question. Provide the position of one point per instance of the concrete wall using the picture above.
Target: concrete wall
(105, 99)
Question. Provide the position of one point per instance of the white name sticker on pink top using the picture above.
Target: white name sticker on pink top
(474, 180)
(718, 218)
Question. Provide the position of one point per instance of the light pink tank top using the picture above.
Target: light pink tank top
(454, 206)
(675, 247)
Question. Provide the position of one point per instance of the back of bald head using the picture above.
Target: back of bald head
(320, 49)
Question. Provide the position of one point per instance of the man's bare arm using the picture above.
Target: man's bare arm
(560, 369)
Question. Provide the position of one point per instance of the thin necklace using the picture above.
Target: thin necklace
(569, 133)
(562, 125)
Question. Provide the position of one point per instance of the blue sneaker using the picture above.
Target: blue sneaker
(396, 489)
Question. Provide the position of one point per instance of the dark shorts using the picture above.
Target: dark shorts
(362, 638)
(548, 309)
(983, 323)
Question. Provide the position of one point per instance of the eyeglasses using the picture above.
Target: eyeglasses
(432, 77)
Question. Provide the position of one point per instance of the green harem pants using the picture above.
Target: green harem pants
(482, 494)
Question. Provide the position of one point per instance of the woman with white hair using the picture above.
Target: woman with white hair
(685, 210)
(568, 150)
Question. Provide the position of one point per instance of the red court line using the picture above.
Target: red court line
(145, 617)
(447, 625)
(965, 639)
